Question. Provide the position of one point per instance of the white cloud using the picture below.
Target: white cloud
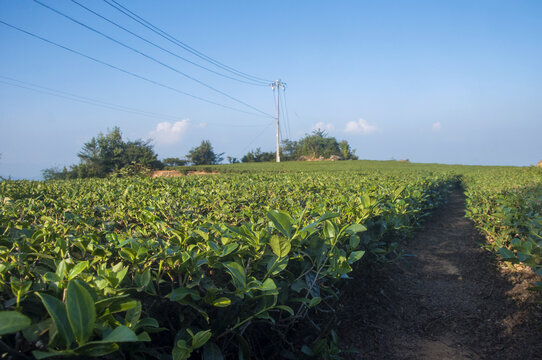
(435, 127)
(169, 133)
(361, 127)
(323, 126)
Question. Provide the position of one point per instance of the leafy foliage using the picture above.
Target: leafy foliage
(105, 154)
(172, 162)
(232, 160)
(346, 151)
(204, 154)
(316, 145)
(258, 156)
(190, 266)
(507, 206)
(312, 146)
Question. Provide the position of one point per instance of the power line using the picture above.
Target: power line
(279, 129)
(257, 136)
(90, 101)
(287, 114)
(127, 71)
(150, 58)
(164, 49)
(179, 43)
(282, 115)
(82, 99)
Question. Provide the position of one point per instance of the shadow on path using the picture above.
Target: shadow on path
(446, 300)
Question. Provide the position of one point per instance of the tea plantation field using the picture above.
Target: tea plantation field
(200, 266)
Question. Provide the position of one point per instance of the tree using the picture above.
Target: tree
(173, 161)
(142, 153)
(315, 145)
(107, 153)
(318, 144)
(204, 154)
(346, 151)
(289, 150)
(102, 154)
(258, 156)
(55, 173)
(233, 160)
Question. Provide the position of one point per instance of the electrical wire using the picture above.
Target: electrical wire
(82, 99)
(283, 123)
(127, 71)
(90, 101)
(162, 48)
(149, 57)
(256, 137)
(275, 102)
(181, 44)
(287, 114)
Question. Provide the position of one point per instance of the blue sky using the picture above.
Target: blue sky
(455, 82)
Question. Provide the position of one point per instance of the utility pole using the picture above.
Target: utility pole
(277, 85)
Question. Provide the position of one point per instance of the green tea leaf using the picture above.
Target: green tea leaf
(96, 349)
(280, 246)
(57, 311)
(120, 334)
(506, 254)
(355, 256)
(44, 355)
(201, 338)
(143, 279)
(268, 287)
(133, 315)
(61, 270)
(144, 336)
(228, 249)
(398, 192)
(77, 269)
(237, 273)
(120, 306)
(181, 351)
(326, 216)
(286, 308)
(182, 292)
(314, 301)
(222, 302)
(355, 228)
(13, 321)
(81, 311)
(282, 221)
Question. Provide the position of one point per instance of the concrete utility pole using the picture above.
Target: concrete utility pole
(277, 85)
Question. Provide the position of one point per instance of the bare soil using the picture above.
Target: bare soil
(165, 173)
(175, 173)
(448, 298)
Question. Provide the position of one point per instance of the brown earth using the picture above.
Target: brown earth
(202, 173)
(175, 173)
(165, 173)
(446, 299)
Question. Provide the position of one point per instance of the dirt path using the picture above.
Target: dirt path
(446, 300)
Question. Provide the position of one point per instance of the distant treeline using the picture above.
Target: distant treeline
(313, 146)
(110, 155)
